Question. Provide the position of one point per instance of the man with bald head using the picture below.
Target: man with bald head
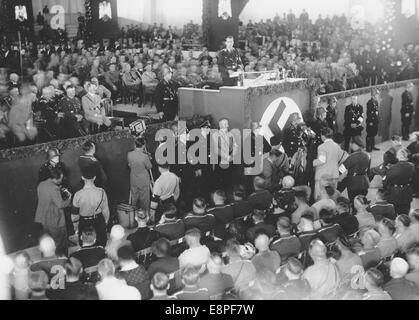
(323, 276)
(399, 288)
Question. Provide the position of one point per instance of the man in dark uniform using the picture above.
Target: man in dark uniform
(69, 110)
(356, 169)
(166, 97)
(45, 109)
(353, 121)
(372, 120)
(229, 62)
(53, 162)
(331, 116)
(414, 158)
(397, 183)
(407, 111)
(199, 218)
(292, 137)
(88, 159)
(170, 227)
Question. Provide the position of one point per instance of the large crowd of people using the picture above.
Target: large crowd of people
(210, 232)
(131, 68)
(241, 237)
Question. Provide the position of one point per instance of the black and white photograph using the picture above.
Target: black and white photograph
(218, 153)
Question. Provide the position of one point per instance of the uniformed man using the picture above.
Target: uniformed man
(199, 218)
(166, 97)
(140, 166)
(165, 190)
(229, 63)
(284, 242)
(88, 159)
(318, 125)
(397, 183)
(372, 120)
(354, 118)
(53, 162)
(414, 158)
(407, 111)
(389, 158)
(331, 116)
(170, 227)
(69, 109)
(292, 137)
(355, 171)
(92, 205)
(46, 109)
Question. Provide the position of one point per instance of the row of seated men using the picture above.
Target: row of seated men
(69, 115)
(245, 220)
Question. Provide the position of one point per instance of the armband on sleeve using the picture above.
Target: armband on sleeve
(155, 199)
(342, 169)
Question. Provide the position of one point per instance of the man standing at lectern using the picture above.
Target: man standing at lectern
(229, 63)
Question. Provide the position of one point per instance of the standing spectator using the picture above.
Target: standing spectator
(88, 159)
(356, 168)
(50, 209)
(399, 288)
(330, 156)
(372, 120)
(397, 183)
(407, 111)
(354, 119)
(140, 166)
(92, 205)
(166, 190)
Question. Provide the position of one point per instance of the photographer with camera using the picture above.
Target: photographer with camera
(52, 200)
